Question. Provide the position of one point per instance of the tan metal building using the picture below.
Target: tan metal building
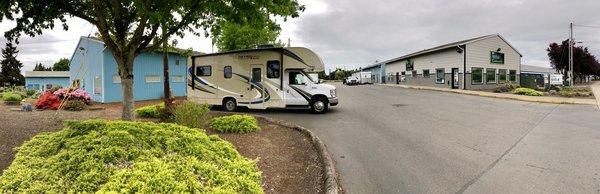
(484, 62)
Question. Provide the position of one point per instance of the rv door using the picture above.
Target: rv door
(256, 92)
(295, 86)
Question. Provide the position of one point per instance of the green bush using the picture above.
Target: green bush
(152, 111)
(190, 114)
(74, 105)
(235, 124)
(11, 97)
(528, 92)
(575, 91)
(129, 157)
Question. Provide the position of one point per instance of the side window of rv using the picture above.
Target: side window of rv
(204, 70)
(273, 68)
(227, 72)
(296, 78)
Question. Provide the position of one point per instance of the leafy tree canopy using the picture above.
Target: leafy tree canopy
(10, 70)
(584, 63)
(128, 27)
(61, 65)
(235, 36)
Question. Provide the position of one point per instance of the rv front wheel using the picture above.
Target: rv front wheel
(229, 104)
(319, 105)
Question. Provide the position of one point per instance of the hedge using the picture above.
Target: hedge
(11, 97)
(129, 157)
(528, 92)
(235, 124)
(152, 111)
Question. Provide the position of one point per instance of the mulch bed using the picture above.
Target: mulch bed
(287, 159)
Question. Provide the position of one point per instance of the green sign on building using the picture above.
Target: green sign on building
(497, 57)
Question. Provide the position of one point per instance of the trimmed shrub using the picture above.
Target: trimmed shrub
(190, 114)
(575, 91)
(152, 111)
(235, 124)
(129, 157)
(11, 97)
(528, 92)
(74, 105)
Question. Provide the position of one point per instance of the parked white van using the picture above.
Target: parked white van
(272, 77)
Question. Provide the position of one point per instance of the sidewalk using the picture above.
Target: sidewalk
(542, 99)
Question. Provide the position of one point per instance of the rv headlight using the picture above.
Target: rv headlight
(333, 93)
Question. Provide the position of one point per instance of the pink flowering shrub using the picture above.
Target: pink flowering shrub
(77, 94)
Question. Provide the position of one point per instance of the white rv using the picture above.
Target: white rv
(259, 79)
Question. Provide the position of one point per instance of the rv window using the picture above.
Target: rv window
(273, 68)
(204, 70)
(227, 72)
(256, 75)
(296, 78)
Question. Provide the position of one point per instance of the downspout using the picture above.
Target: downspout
(464, 59)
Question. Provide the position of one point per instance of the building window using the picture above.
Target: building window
(513, 75)
(97, 84)
(439, 75)
(204, 70)
(152, 78)
(414, 73)
(476, 75)
(177, 62)
(502, 75)
(273, 68)
(426, 73)
(116, 79)
(490, 74)
(227, 72)
(177, 79)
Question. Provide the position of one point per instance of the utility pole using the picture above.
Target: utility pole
(571, 42)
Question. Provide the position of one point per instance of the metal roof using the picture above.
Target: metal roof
(442, 47)
(537, 69)
(177, 50)
(47, 74)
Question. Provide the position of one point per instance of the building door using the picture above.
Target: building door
(455, 80)
(256, 95)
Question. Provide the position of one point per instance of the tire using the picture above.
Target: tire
(319, 105)
(229, 105)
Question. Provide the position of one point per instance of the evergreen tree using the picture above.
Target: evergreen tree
(41, 67)
(10, 72)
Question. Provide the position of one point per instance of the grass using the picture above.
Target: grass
(235, 124)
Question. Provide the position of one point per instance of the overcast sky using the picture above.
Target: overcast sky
(355, 33)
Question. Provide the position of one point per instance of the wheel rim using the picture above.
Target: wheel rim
(319, 106)
(230, 105)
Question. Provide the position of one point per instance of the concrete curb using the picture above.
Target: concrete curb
(506, 96)
(332, 182)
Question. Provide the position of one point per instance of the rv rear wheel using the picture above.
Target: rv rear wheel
(319, 105)
(229, 104)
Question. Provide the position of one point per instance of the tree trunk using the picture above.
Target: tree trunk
(128, 103)
(167, 87)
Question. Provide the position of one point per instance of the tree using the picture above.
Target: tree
(584, 63)
(61, 65)
(128, 27)
(10, 71)
(41, 67)
(235, 36)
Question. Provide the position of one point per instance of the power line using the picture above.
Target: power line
(586, 26)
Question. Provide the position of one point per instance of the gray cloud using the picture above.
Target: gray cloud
(356, 33)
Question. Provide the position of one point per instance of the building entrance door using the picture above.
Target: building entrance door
(455, 80)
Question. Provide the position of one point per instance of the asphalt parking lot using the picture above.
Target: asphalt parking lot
(392, 140)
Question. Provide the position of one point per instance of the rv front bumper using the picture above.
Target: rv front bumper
(333, 101)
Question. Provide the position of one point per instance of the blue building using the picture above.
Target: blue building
(94, 68)
(377, 72)
(44, 80)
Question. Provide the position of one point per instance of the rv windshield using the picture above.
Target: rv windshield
(308, 77)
